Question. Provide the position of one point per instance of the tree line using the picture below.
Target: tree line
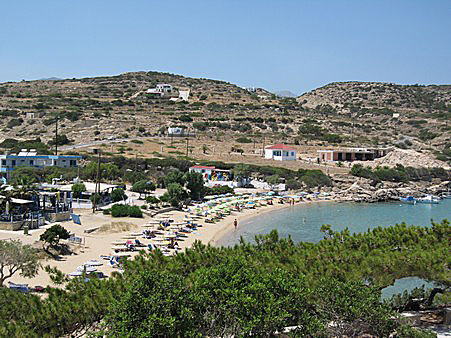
(246, 290)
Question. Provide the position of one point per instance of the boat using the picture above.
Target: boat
(429, 199)
(408, 200)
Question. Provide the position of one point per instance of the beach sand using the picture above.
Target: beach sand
(113, 229)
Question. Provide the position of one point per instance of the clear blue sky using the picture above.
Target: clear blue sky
(280, 44)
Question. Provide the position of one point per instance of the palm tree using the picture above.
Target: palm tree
(6, 196)
(25, 187)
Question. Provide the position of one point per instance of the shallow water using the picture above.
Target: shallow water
(303, 222)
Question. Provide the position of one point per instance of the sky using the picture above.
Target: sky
(295, 45)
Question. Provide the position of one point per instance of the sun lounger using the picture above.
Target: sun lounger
(19, 287)
(138, 243)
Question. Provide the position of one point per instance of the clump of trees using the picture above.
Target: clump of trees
(247, 290)
(399, 173)
(181, 187)
(220, 190)
(118, 194)
(52, 236)
(78, 189)
(19, 258)
(143, 187)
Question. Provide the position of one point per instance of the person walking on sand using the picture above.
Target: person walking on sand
(235, 223)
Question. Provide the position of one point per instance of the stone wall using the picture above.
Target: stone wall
(12, 226)
(58, 217)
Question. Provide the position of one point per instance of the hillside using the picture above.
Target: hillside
(416, 100)
(224, 116)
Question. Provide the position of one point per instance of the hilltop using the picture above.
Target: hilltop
(416, 100)
(226, 118)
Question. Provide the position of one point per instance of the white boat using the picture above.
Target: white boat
(429, 199)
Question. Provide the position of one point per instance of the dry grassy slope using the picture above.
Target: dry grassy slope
(108, 105)
(117, 106)
(401, 98)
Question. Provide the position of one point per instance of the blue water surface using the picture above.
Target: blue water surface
(303, 222)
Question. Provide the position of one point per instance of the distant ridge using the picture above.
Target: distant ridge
(50, 79)
(285, 93)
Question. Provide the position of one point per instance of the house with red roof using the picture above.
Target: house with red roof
(280, 152)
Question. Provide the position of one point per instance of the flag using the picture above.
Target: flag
(76, 218)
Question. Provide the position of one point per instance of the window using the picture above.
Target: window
(31, 162)
(13, 163)
(292, 153)
(276, 153)
(3, 162)
(285, 153)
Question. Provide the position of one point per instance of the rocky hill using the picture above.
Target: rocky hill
(120, 107)
(350, 96)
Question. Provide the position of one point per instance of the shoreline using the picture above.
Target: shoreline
(228, 226)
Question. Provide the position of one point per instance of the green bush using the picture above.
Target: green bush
(243, 140)
(118, 194)
(14, 123)
(123, 210)
(185, 118)
(399, 173)
(219, 190)
(293, 184)
(78, 189)
(314, 178)
(152, 200)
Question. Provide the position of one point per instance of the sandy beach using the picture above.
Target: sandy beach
(100, 242)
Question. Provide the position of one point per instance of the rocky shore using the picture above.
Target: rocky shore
(357, 189)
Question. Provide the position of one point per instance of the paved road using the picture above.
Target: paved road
(93, 143)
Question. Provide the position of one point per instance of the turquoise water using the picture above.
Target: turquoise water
(303, 223)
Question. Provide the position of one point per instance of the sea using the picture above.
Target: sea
(302, 222)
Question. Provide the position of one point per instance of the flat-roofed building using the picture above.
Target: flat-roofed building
(350, 154)
(30, 158)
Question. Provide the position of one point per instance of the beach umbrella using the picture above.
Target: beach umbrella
(75, 274)
(86, 268)
(93, 262)
(121, 254)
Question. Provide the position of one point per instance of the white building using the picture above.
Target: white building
(161, 89)
(280, 152)
(31, 159)
(176, 131)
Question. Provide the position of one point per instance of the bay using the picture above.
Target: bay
(302, 222)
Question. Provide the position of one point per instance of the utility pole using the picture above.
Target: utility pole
(263, 146)
(56, 136)
(187, 147)
(97, 189)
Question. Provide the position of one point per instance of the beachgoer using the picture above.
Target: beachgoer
(235, 223)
